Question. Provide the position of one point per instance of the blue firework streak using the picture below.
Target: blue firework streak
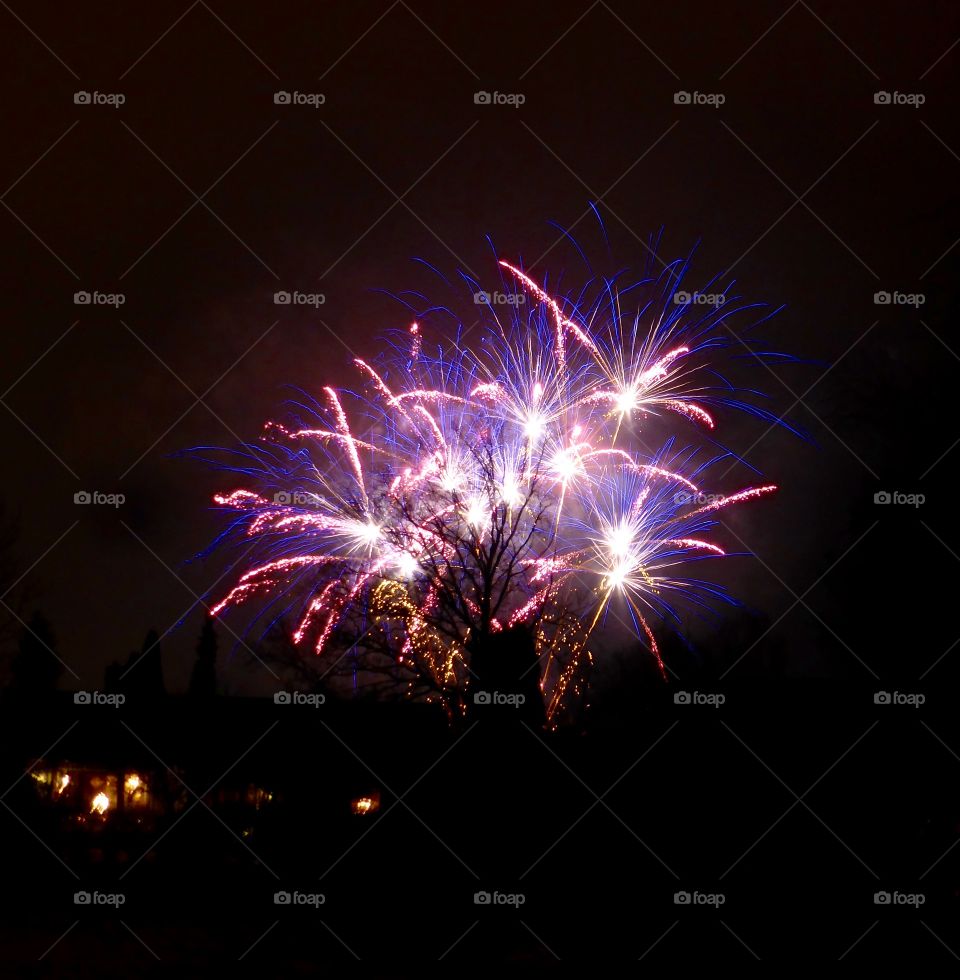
(458, 490)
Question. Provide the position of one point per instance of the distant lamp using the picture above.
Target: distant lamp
(362, 806)
(135, 791)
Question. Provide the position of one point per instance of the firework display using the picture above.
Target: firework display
(459, 491)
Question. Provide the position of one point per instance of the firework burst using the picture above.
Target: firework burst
(459, 492)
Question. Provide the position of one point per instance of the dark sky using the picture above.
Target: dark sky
(200, 197)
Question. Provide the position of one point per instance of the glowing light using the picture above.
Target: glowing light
(510, 492)
(626, 401)
(567, 464)
(100, 804)
(131, 783)
(363, 806)
(477, 513)
(452, 479)
(616, 577)
(369, 533)
(619, 541)
(406, 565)
(534, 426)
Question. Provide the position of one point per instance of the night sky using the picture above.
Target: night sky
(200, 197)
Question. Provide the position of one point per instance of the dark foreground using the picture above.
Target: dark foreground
(801, 822)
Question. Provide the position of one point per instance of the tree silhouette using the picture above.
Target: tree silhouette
(14, 594)
(203, 680)
(141, 677)
(36, 668)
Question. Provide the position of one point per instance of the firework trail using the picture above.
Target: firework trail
(461, 492)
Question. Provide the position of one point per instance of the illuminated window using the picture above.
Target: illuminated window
(257, 796)
(102, 794)
(362, 806)
(136, 793)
